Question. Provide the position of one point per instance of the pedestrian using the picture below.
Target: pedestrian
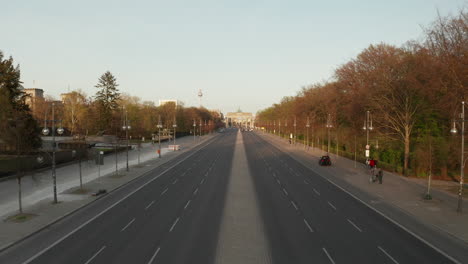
(371, 163)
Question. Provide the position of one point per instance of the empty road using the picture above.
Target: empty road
(235, 199)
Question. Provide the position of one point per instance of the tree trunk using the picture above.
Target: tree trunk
(407, 152)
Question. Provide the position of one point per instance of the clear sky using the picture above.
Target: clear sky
(241, 53)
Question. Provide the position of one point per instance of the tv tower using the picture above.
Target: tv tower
(200, 95)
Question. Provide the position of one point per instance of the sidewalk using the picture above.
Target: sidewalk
(38, 209)
(397, 191)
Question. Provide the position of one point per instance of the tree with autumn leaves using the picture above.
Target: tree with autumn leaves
(413, 92)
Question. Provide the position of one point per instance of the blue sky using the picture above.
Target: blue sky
(241, 53)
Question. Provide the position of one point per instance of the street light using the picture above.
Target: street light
(200, 129)
(159, 135)
(194, 127)
(462, 160)
(45, 132)
(294, 137)
(126, 126)
(328, 126)
(307, 137)
(279, 129)
(174, 125)
(368, 127)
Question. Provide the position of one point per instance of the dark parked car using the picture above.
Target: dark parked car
(325, 161)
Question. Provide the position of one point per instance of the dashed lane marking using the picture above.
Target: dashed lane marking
(328, 255)
(95, 255)
(306, 182)
(154, 256)
(332, 206)
(317, 192)
(355, 226)
(174, 224)
(129, 223)
(149, 205)
(295, 206)
(195, 192)
(388, 255)
(187, 204)
(165, 190)
(285, 192)
(308, 226)
(175, 181)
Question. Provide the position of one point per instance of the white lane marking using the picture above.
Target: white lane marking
(164, 192)
(388, 255)
(328, 255)
(95, 255)
(154, 255)
(317, 192)
(306, 182)
(183, 174)
(202, 181)
(355, 226)
(110, 207)
(195, 192)
(174, 224)
(274, 174)
(125, 227)
(278, 181)
(285, 192)
(294, 204)
(308, 226)
(187, 204)
(175, 181)
(149, 205)
(332, 206)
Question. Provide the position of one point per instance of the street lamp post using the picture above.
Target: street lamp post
(462, 159)
(279, 129)
(328, 126)
(46, 131)
(286, 128)
(295, 135)
(174, 125)
(200, 127)
(307, 137)
(159, 135)
(194, 128)
(126, 126)
(368, 127)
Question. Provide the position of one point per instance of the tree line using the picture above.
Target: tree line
(413, 94)
(82, 115)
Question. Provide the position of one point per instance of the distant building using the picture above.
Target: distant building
(35, 96)
(64, 97)
(239, 118)
(163, 102)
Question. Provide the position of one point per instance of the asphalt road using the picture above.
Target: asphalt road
(309, 220)
(174, 215)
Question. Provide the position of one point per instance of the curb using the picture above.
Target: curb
(7, 246)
